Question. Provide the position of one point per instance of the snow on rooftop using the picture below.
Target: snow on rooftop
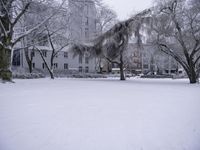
(99, 114)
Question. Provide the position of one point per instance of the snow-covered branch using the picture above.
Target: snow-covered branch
(21, 14)
(3, 28)
(37, 26)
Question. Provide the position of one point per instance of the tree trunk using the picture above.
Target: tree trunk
(193, 77)
(100, 68)
(5, 72)
(121, 66)
(51, 74)
(122, 77)
(192, 73)
(28, 60)
(48, 68)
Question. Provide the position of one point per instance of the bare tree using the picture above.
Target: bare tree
(56, 47)
(11, 12)
(177, 33)
(57, 35)
(106, 18)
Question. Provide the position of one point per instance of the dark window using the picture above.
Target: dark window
(32, 54)
(55, 65)
(43, 40)
(44, 53)
(43, 65)
(87, 21)
(138, 66)
(66, 54)
(80, 69)
(87, 9)
(86, 33)
(86, 60)
(80, 59)
(86, 69)
(146, 66)
(16, 58)
(33, 65)
(65, 66)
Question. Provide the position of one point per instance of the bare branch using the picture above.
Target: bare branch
(195, 49)
(21, 14)
(171, 53)
(36, 27)
(45, 62)
(110, 60)
(6, 8)
(60, 49)
(3, 28)
(197, 60)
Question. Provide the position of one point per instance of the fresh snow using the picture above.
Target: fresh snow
(99, 114)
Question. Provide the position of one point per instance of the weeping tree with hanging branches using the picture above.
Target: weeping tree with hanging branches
(112, 45)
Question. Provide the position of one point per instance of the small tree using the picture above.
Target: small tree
(56, 48)
(106, 18)
(57, 33)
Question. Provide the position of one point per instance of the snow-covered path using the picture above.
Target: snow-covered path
(99, 114)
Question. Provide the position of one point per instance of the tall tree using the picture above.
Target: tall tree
(177, 33)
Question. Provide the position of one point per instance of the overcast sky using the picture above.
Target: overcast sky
(125, 8)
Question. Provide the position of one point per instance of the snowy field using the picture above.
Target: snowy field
(100, 114)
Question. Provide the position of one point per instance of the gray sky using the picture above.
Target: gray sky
(125, 8)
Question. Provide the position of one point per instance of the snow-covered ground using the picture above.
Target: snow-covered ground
(99, 114)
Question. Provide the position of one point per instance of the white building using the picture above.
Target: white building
(64, 61)
(82, 20)
(82, 29)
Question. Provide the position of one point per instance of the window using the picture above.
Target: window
(44, 53)
(16, 58)
(138, 65)
(87, 9)
(65, 54)
(86, 69)
(86, 33)
(80, 69)
(33, 65)
(66, 66)
(43, 40)
(145, 66)
(32, 54)
(86, 21)
(80, 59)
(55, 65)
(86, 60)
(136, 61)
(43, 65)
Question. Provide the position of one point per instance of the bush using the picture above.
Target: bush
(156, 76)
(6, 75)
(28, 75)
